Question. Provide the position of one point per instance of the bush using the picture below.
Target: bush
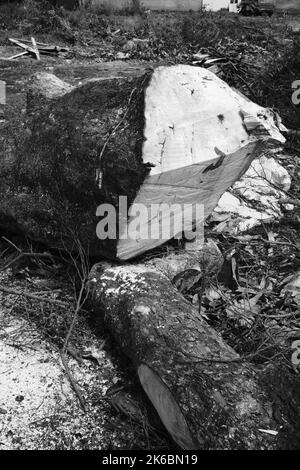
(29, 15)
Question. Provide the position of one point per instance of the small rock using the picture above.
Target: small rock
(19, 398)
(293, 288)
(122, 56)
(129, 46)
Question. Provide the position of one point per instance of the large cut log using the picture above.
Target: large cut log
(173, 136)
(205, 395)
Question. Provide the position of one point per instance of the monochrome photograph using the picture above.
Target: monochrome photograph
(149, 228)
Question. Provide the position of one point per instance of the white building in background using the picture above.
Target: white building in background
(233, 6)
(179, 5)
(173, 5)
(216, 5)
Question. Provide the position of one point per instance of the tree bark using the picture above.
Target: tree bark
(49, 188)
(205, 395)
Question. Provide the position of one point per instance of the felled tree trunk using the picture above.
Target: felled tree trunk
(176, 135)
(205, 396)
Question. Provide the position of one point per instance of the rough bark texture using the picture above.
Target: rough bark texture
(206, 397)
(48, 171)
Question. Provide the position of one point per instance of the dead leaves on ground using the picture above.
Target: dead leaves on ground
(253, 301)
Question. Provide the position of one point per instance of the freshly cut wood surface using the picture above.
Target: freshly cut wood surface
(202, 184)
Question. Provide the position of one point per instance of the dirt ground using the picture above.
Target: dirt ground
(38, 407)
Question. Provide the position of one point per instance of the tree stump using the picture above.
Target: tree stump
(169, 138)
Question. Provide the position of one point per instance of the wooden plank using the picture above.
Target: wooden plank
(35, 49)
(14, 56)
(18, 55)
(28, 49)
(30, 42)
(19, 43)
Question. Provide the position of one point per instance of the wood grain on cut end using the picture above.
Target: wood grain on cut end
(167, 407)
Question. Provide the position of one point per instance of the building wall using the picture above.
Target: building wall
(177, 5)
(172, 4)
(182, 5)
(154, 4)
(216, 4)
(68, 4)
(287, 4)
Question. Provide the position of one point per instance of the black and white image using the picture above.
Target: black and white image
(149, 227)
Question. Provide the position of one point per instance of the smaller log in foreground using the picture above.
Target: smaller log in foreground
(205, 396)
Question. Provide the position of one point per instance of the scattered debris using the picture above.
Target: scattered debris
(94, 353)
(205, 60)
(293, 288)
(122, 56)
(34, 49)
(245, 310)
(256, 198)
(136, 44)
(269, 431)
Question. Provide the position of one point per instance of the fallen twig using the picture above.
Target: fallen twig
(82, 296)
(59, 303)
(26, 255)
(72, 381)
(79, 303)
